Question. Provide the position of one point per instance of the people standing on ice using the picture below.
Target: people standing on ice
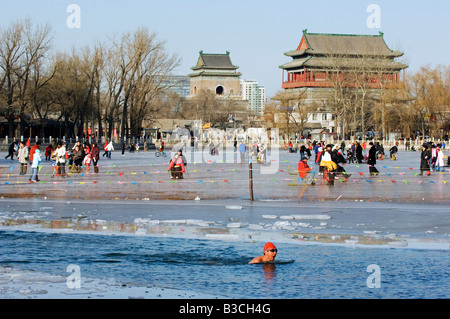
(60, 159)
(87, 161)
(439, 159)
(33, 150)
(359, 152)
(353, 151)
(35, 166)
(425, 160)
(317, 146)
(95, 156)
(104, 148)
(48, 152)
(433, 157)
(302, 151)
(319, 159)
(109, 149)
(261, 154)
(270, 252)
(22, 157)
(372, 159)
(86, 148)
(343, 148)
(11, 151)
(242, 149)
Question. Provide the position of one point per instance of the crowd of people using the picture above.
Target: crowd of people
(432, 158)
(330, 158)
(58, 153)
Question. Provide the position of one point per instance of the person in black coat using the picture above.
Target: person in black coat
(359, 155)
(372, 160)
(338, 158)
(11, 150)
(425, 159)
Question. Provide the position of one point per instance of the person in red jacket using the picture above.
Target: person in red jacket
(177, 166)
(303, 168)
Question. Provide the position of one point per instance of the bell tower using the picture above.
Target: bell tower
(215, 73)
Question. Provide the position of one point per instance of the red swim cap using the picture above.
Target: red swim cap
(269, 246)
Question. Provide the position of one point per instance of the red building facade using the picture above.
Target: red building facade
(321, 60)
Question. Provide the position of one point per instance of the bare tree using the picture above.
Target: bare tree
(431, 91)
(23, 47)
(295, 108)
(135, 71)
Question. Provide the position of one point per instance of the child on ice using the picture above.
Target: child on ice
(87, 162)
(35, 165)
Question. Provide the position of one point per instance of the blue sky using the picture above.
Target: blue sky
(257, 33)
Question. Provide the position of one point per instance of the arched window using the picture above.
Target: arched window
(220, 90)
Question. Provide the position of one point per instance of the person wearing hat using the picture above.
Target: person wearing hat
(270, 252)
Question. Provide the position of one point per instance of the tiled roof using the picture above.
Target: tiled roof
(345, 44)
(214, 61)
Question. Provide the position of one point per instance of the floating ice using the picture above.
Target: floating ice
(269, 216)
(255, 227)
(311, 217)
(234, 225)
(222, 236)
(233, 207)
(397, 244)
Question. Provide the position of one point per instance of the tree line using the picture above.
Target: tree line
(118, 83)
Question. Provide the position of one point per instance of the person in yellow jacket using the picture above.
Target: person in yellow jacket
(329, 165)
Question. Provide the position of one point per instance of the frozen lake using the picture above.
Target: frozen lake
(133, 196)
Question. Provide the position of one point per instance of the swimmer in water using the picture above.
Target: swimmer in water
(270, 252)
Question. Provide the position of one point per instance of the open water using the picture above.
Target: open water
(221, 268)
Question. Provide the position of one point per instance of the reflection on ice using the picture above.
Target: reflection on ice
(288, 231)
